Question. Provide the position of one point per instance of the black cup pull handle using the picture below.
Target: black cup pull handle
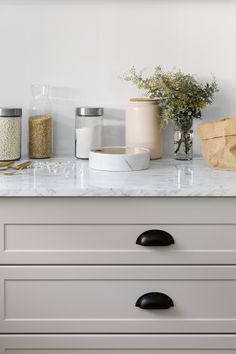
(154, 301)
(155, 238)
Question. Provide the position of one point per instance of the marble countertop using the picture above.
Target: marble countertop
(73, 177)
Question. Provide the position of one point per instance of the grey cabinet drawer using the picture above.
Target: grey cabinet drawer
(119, 344)
(116, 244)
(66, 299)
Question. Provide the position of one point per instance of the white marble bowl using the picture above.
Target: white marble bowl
(119, 158)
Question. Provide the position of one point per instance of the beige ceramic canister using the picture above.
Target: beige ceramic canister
(143, 126)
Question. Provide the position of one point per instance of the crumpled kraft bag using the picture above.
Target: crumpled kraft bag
(218, 140)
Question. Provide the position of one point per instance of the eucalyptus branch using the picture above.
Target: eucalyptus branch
(182, 96)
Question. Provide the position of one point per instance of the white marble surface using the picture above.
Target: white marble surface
(165, 177)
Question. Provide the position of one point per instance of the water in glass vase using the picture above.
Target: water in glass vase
(183, 145)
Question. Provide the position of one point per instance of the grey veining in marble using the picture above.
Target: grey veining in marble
(165, 177)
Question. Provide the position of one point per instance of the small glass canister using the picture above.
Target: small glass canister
(40, 123)
(10, 134)
(88, 130)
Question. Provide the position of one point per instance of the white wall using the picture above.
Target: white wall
(82, 46)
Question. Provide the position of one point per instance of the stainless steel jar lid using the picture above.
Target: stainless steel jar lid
(89, 111)
(10, 112)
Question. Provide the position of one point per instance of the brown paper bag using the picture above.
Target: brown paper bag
(218, 140)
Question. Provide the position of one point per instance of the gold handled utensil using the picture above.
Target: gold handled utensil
(17, 168)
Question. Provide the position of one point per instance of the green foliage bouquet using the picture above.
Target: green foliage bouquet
(182, 97)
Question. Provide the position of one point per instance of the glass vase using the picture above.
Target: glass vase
(183, 144)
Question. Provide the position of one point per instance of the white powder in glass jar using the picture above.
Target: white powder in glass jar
(10, 138)
(87, 138)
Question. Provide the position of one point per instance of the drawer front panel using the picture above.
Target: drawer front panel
(103, 299)
(126, 344)
(115, 244)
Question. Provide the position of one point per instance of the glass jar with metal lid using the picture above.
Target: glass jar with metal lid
(10, 134)
(88, 130)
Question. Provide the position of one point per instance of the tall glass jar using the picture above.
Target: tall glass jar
(10, 134)
(88, 130)
(40, 123)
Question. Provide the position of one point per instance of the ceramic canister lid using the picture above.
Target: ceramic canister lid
(144, 100)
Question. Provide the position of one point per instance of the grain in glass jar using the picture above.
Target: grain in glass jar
(40, 123)
(40, 136)
(10, 134)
